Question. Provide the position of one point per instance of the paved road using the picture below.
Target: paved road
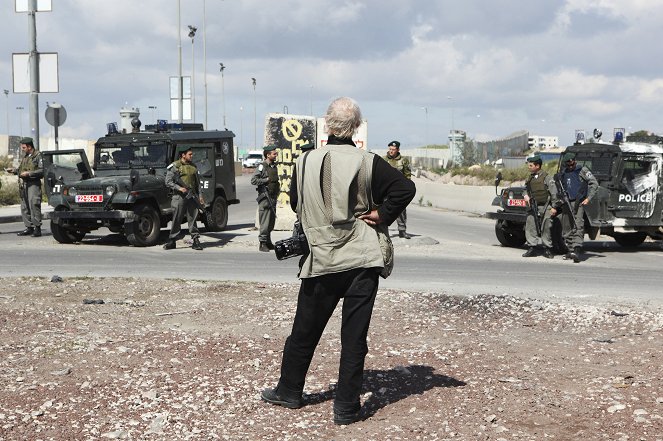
(452, 252)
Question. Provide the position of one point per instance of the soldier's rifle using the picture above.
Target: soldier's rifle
(564, 197)
(190, 192)
(534, 208)
(262, 191)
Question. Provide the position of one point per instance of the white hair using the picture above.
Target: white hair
(343, 117)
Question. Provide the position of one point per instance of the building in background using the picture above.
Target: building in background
(539, 142)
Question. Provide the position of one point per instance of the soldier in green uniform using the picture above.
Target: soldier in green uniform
(182, 178)
(402, 164)
(543, 192)
(30, 172)
(581, 186)
(266, 180)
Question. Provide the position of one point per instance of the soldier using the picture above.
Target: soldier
(182, 179)
(266, 180)
(581, 186)
(402, 164)
(541, 191)
(30, 172)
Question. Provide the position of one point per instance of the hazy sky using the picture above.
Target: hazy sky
(489, 67)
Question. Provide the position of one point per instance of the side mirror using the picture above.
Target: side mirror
(498, 179)
(151, 171)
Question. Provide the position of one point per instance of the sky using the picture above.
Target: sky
(417, 68)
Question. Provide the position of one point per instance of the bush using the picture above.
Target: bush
(9, 194)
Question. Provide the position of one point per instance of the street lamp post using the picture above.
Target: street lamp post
(452, 140)
(311, 100)
(180, 91)
(426, 138)
(255, 116)
(7, 111)
(241, 126)
(154, 113)
(192, 34)
(20, 119)
(205, 60)
(223, 94)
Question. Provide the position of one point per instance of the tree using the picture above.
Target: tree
(468, 154)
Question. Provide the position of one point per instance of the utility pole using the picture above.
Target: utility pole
(7, 111)
(180, 104)
(223, 95)
(192, 34)
(255, 116)
(205, 59)
(34, 73)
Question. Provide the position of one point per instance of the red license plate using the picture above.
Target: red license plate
(516, 203)
(82, 198)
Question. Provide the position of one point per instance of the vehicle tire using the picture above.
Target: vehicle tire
(64, 235)
(630, 240)
(507, 236)
(216, 215)
(144, 230)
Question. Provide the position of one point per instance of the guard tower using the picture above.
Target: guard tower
(126, 115)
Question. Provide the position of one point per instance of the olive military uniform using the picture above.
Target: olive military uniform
(403, 165)
(188, 174)
(543, 193)
(30, 190)
(266, 180)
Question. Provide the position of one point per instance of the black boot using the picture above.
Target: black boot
(169, 245)
(27, 232)
(270, 245)
(403, 234)
(196, 244)
(577, 251)
(547, 253)
(531, 252)
(36, 232)
(263, 247)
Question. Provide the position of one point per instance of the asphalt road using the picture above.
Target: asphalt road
(451, 252)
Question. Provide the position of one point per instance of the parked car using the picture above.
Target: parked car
(252, 159)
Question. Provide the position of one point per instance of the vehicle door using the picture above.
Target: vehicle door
(203, 158)
(638, 187)
(64, 167)
(603, 165)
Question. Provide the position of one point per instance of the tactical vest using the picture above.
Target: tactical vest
(574, 185)
(273, 186)
(30, 163)
(188, 173)
(333, 188)
(399, 163)
(538, 187)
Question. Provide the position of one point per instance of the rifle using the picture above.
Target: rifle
(534, 208)
(262, 191)
(564, 196)
(190, 193)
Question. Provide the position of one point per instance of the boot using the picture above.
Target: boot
(547, 253)
(270, 245)
(577, 251)
(27, 232)
(169, 245)
(531, 252)
(263, 247)
(36, 232)
(196, 244)
(403, 234)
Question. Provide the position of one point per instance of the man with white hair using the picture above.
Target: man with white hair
(341, 195)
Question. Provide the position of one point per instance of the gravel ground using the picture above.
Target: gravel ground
(177, 359)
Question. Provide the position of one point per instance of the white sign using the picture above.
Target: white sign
(186, 99)
(48, 73)
(42, 6)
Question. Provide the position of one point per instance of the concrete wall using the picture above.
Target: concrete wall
(470, 198)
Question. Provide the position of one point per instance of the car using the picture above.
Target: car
(253, 159)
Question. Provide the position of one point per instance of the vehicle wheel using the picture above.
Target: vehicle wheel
(508, 237)
(64, 235)
(630, 239)
(216, 216)
(144, 230)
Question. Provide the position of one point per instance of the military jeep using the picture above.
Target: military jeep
(125, 189)
(628, 205)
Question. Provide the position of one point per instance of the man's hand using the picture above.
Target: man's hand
(25, 174)
(372, 218)
(183, 190)
(526, 198)
(585, 202)
(553, 211)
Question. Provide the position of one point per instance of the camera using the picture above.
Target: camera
(297, 245)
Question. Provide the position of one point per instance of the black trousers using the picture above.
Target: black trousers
(318, 297)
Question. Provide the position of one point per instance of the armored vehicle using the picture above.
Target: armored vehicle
(124, 190)
(628, 205)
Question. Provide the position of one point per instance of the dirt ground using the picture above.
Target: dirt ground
(176, 359)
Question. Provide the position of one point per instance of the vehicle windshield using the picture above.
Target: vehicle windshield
(639, 175)
(254, 157)
(116, 155)
(600, 164)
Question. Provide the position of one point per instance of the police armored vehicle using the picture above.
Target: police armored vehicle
(125, 189)
(628, 205)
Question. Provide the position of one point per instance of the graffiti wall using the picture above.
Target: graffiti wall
(288, 133)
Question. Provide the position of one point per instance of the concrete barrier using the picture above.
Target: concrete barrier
(470, 198)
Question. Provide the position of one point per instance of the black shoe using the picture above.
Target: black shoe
(344, 418)
(577, 251)
(404, 235)
(196, 244)
(531, 252)
(548, 254)
(36, 232)
(270, 245)
(263, 247)
(27, 232)
(169, 245)
(270, 396)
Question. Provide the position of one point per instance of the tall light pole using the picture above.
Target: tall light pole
(426, 139)
(34, 73)
(154, 113)
(311, 99)
(241, 126)
(180, 91)
(7, 111)
(192, 34)
(20, 119)
(205, 60)
(255, 116)
(223, 95)
(452, 140)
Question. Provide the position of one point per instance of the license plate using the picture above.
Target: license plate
(516, 203)
(82, 198)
